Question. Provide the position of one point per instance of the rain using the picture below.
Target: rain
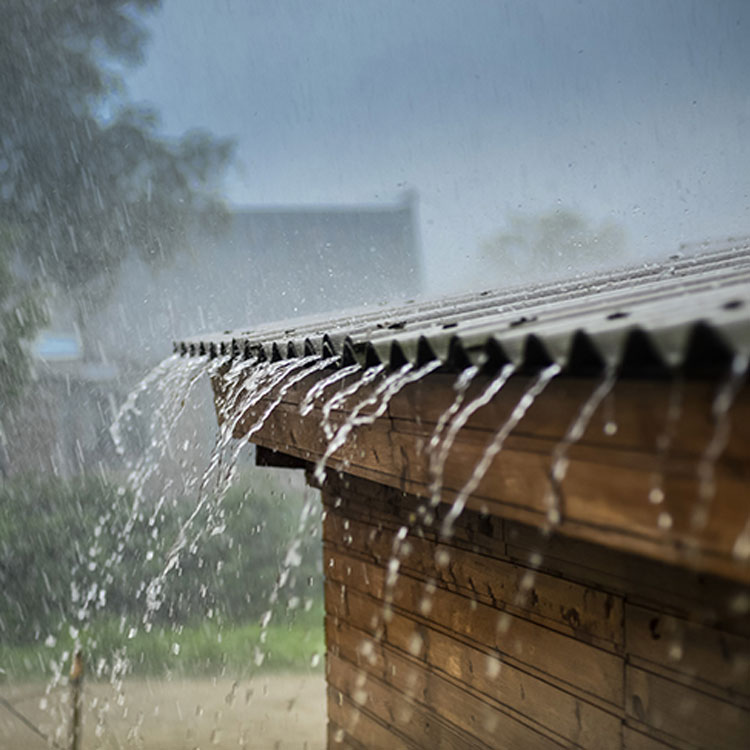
(374, 374)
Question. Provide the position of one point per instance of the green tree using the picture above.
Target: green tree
(84, 178)
(551, 244)
(65, 558)
(20, 316)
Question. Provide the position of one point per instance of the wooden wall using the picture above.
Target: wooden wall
(466, 647)
(610, 474)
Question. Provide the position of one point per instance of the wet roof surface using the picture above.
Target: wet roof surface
(691, 311)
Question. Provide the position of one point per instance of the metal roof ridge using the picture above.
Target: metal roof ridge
(576, 323)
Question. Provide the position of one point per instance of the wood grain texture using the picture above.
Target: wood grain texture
(446, 653)
(605, 493)
(628, 628)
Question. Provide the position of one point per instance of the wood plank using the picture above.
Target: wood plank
(637, 407)
(461, 720)
(599, 496)
(419, 725)
(635, 740)
(370, 502)
(350, 721)
(684, 713)
(338, 739)
(589, 615)
(523, 696)
(580, 665)
(715, 600)
(707, 599)
(703, 656)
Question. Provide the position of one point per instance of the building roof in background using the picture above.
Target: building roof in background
(691, 310)
(310, 259)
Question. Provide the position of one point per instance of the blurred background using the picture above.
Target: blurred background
(176, 167)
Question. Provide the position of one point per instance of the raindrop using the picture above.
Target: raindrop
(664, 521)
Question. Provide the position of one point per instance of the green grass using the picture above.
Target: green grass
(200, 649)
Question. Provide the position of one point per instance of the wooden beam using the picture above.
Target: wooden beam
(605, 493)
(273, 458)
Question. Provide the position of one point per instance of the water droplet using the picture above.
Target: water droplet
(740, 604)
(656, 495)
(535, 559)
(664, 521)
(442, 557)
(494, 666)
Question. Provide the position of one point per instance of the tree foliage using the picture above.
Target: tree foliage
(72, 552)
(20, 316)
(84, 178)
(539, 246)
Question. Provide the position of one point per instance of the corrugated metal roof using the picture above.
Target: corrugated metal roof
(687, 311)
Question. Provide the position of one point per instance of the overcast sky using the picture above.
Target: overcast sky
(634, 111)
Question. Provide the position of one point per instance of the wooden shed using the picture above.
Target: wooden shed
(537, 530)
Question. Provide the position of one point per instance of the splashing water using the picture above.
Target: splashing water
(720, 409)
(175, 387)
(285, 374)
(382, 397)
(460, 418)
(495, 446)
(163, 370)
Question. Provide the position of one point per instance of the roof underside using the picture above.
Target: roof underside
(691, 312)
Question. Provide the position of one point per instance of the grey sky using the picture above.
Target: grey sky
(634, 111)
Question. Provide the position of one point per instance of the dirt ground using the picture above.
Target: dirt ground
(269, 712)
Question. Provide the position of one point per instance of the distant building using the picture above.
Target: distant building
(297, 260)
(265, 264)
(268, 263)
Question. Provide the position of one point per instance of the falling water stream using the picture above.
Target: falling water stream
(284, 375)
(308, 402)
(665, 439)
(254, 390)
(456, 418)
(382, 396)
(457, 421)
(496, 445)
(338, 399)
(461, 386)
(720, 413)
(559, 464)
